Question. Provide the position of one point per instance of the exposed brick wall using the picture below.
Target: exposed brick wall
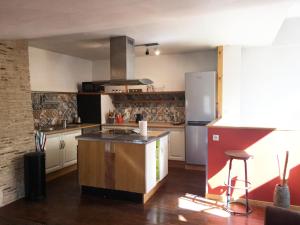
(16, 118)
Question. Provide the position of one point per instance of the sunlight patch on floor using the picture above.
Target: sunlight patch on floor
(182, 218)
(200, 204)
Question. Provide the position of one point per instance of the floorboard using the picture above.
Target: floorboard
(178, 201)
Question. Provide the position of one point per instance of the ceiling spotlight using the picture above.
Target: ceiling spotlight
(157, 51)
(150, 46)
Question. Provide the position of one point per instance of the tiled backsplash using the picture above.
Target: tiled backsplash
(51, 108)
(154, 112)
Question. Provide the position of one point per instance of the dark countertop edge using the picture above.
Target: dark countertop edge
(87, 138)
(150, 125)
(65, 130)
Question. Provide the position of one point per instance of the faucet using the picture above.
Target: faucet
(64, 123)
(174, 116)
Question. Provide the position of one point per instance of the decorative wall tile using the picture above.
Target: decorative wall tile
(154, 112)
(51, 108)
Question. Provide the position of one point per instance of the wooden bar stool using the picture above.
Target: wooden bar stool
(238, 155)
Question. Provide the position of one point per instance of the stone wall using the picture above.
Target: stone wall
(16, 119)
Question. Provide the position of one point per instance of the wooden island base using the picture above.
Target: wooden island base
(122, 195)
(129, 167)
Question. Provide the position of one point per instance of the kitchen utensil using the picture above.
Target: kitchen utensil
(119, 118)
(110, 120)
(136, 130)
(40, 141)
(64, 123)
(138, 117)
(43, 141)
(77, 120)
(37, 144)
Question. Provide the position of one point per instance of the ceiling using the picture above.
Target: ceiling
(82, 28)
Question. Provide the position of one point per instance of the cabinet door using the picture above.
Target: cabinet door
(91, 163)
(150, 166)
(177, 145)
(164, 153)
(53, 154)
(70, 148)
(130, 160)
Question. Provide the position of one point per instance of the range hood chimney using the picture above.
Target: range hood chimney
(122, 63)
(121, 58)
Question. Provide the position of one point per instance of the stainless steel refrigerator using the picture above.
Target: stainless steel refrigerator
(200, 106)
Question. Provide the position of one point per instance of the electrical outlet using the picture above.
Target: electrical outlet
(216, 137)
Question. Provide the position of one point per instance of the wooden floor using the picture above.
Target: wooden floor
(177, 202)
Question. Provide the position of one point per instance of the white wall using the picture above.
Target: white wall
(165, 70)
(270, 86)
(50, 71)
(265, 91)
(101, 70)
(106, 107)
(231, 83)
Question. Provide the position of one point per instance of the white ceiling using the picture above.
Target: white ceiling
(289, 33)
(82, 27)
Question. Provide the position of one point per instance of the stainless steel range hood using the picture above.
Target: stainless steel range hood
(122, 63)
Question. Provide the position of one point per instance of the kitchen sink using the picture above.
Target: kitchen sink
(72, 125)
(177, 123)
(45, 129)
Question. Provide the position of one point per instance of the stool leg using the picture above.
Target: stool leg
(229, 184)
(246, 186)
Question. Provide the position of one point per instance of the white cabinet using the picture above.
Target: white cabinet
(177, 145)
(53, 154)
(150, 167)
(61, 150)
(164, 152)
(70, 148)
(156, 165)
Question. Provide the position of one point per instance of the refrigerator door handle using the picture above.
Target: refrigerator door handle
(197, 123)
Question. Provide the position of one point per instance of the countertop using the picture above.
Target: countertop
(70, 127)
(150, 125)
(123, 138)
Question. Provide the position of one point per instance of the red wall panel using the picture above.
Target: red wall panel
(262, 144)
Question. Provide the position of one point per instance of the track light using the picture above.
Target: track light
(147, 51)
(148, 48)
(157, 51)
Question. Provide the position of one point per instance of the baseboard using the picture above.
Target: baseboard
(148, 195)
(183, 165)
(221, 198)
(176, 164)
(61, 172)
(195, 167)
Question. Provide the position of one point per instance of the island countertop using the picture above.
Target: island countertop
(124, 138)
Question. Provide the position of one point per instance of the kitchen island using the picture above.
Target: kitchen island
(124, 164)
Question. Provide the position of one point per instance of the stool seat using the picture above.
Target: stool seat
(238, 154)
